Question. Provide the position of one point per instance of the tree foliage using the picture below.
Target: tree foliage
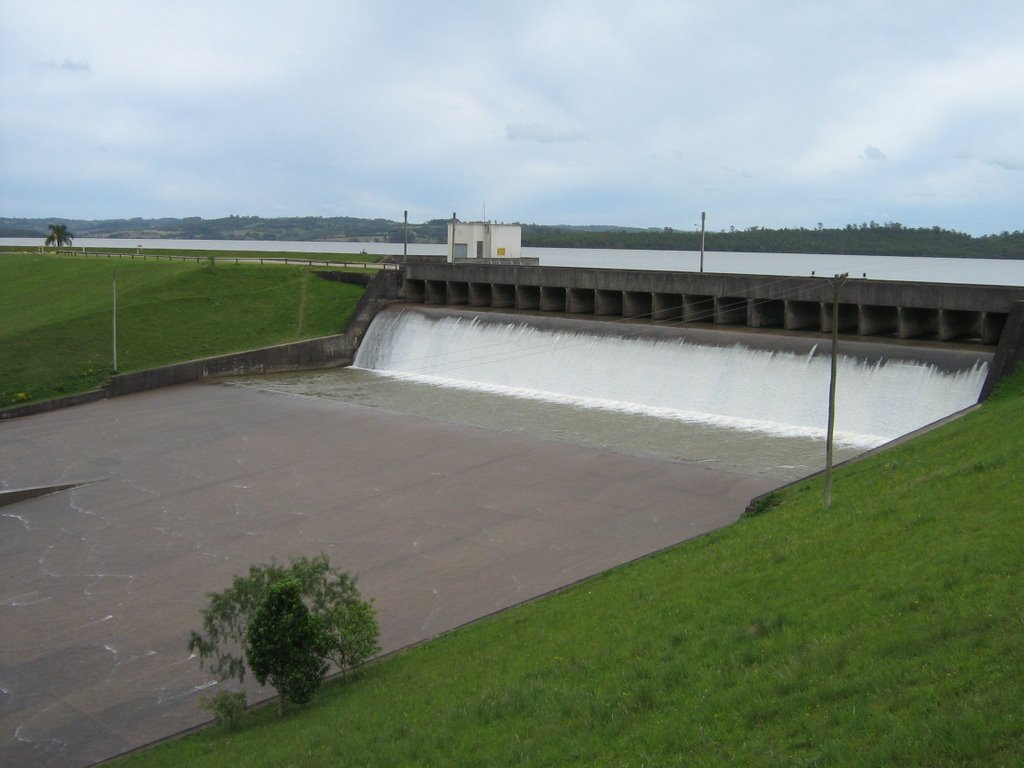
(352, 636)
(869, 238)
(286, 644)
(227, 707)
(59, 235)
(290, 228)
(348, 626)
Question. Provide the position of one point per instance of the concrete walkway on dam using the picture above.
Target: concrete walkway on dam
(187, 486)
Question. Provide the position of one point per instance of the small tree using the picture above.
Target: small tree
(352, 636)
(285, 644)
(59, 235)
(348, 623)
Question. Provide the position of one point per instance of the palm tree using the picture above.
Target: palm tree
(59, 235)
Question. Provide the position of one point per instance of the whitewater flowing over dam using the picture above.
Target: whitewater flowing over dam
(744, 382)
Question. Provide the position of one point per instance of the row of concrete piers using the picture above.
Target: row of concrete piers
(794, 314)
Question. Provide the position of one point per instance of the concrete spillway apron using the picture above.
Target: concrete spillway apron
(101, 584)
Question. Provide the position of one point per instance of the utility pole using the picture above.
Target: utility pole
(114, 330)
(451, 240)
(837, 283)
(703, 216)
(405, 238)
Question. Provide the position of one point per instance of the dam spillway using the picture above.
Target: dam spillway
(989, 316)
(773, 385)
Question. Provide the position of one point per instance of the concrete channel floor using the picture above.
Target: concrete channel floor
(187, 486)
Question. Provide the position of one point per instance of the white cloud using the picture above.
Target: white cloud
(543, 134)
(871, 152)
(69, 66)
(919, 107)
(554, 110)
(1008, 163)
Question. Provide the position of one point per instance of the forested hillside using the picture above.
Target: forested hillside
(299, 228)
(872, 238)
(889, 239)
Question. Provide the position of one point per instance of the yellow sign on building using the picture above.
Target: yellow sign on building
(501, 251)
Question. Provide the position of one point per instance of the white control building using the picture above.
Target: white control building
(470, 240)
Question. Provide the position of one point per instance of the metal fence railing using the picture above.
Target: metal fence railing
(300, 260)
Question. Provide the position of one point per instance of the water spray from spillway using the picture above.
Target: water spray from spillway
(734, 386)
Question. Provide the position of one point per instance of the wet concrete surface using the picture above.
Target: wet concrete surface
(185, 487)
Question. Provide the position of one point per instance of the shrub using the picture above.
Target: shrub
(227, 707)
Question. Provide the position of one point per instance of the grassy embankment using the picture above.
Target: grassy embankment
(887, 631)
(55, 316)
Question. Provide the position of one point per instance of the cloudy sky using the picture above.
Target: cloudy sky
(642, 113)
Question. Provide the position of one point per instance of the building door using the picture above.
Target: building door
(479, 249)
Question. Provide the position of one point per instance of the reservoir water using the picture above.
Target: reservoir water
(917, 269)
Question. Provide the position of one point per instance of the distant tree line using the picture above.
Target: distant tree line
(302, 228)
(888, 239)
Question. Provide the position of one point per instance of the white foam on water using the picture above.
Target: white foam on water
(733, 387)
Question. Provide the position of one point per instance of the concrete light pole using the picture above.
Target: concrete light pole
(837, 283)
(451, 240)
(114, 329)
(703, 216)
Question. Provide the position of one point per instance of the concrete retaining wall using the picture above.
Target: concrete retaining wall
(325, 352)
(1010, 351)
(55, 404)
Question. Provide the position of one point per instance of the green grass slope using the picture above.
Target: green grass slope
(887, 631)
(55, 316)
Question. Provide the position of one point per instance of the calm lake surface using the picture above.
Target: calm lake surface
(917, 269)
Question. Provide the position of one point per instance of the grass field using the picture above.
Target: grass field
(888, 631)
(56, 316)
